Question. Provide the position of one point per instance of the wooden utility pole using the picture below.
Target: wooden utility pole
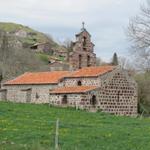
(56, 135)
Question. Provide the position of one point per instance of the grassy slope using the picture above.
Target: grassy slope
(40, 37)
(10, 27)
(30, 126)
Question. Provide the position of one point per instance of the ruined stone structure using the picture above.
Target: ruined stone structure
(41, 47)
(59, 66)
(106, 88)
(82, 54)
(61, 54)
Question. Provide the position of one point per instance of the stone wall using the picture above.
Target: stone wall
(59, 66)
(73, 100)
(79, 59)
(117, 94)
(86, 81)
(3, 94)
(20, 93)
(91, 81)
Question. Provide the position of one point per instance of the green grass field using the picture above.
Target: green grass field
(32, 127)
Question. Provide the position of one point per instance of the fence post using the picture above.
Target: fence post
(56, 135)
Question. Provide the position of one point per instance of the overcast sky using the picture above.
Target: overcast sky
(106, 20)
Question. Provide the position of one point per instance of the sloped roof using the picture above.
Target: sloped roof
(55, 76)
(92, 71)
(38, 78)
(75, 89)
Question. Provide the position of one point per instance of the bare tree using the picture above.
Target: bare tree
(68, 45)
(139, 35)
(100, 62)
(127, 64)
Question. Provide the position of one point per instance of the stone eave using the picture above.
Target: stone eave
(69, 93)
(85, 92)
(94, 76)
(82, 77)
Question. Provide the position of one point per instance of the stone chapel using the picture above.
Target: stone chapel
(86, 86)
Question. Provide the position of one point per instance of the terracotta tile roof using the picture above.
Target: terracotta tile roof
(92, 71)
(75, 89)
(38, 78)
(55, 76)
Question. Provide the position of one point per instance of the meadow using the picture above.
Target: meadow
(32, 127)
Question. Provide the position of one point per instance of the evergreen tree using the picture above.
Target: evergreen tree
(115, 60)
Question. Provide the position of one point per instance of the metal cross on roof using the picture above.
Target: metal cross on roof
(82, 29)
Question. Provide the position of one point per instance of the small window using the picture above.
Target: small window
(84, 49)
(80, 61)
(37, 95)
(88, 61)
(64, 100)
(79, 83)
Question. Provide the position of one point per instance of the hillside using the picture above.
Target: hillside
(15, 60)
(32, 127)
(16, 55)
(26, 35)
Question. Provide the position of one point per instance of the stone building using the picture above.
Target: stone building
(41, 47)
(105, 88)
(32, 87)
(82, 54)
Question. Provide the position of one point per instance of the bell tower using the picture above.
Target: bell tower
(82, 54)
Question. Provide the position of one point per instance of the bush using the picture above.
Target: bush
(143, 81)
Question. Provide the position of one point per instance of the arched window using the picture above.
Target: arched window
(93, 100)
(79, 83)
(80, 61)
(88, 61)
(84, 41)
(64, 100)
